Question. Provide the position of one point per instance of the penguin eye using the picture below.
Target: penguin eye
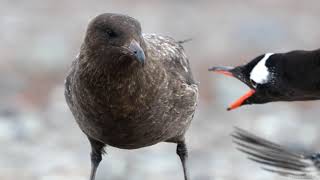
(253, 83)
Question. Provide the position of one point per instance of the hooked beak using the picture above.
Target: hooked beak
(236, 73)
(138, 52)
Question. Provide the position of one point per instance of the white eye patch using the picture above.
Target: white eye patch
(260, 73)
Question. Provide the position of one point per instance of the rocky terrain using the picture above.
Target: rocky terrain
(39, 139)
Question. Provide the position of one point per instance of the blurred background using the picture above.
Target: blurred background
(39, 139)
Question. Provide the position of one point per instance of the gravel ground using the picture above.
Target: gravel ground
(40, 140)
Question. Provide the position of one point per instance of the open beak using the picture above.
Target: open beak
(239, 102)
(234, 72)
(225, 70)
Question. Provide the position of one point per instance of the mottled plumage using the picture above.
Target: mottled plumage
(276, 158)
(130, 90)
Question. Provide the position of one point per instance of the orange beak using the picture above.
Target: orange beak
(240, 101)
(227, 71)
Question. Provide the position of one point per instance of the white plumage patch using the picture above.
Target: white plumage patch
(260, 72)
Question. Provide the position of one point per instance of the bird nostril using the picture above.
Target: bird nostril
(135, 52)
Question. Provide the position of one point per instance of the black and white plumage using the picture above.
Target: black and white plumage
(291, 76)
(130, 90)
(276, 158)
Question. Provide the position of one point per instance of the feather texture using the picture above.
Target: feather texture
(275, 158)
